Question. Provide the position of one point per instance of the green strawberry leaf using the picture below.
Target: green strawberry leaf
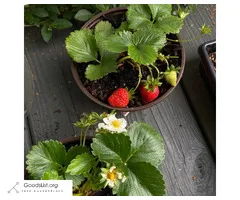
(153, 16)
(154, 38)
(81, 46)
(81, 164)
(83, 15)
(95, 179)
(108, 64)
(102, 31)
(143, 36)
(31, 19)
(52, 8)
(171, 24)
(160, 10)
(147, 144)
(139, 16)
(143, 54)
(46, 33)
(52, 16)
(102, 7)
(119, 42)
(69, 14)
(39, 12)
(142, 46)
(45, 156)
(76, 179)
(61, 24)
(143, 180)
(111, 148)
(51, 175)
(73, 152)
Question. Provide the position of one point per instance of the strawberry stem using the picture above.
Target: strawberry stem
(85, 134)
(155, 67)
(139, 76)
(81, 132)
(97, 61)
(173, 57)
(123, 58)
(130, 63)
(166, 62)
(190, 40)
(150, 70)
(163, 58)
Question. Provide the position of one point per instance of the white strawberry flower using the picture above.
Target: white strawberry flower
(112, 176)
(113, 124)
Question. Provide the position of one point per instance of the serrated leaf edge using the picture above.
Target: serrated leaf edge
(160, 161)
(110, 149)
(36, 146)
(163, 180)
(74, 160)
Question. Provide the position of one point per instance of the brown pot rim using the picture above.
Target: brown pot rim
(74, 139)
(93, 22)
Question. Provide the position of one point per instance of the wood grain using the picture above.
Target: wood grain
(53, 112)
(196, 87)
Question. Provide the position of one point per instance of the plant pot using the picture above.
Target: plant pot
(115, 16)
(72, 141)
(206, 50)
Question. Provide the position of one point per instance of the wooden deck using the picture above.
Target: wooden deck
(185, 119)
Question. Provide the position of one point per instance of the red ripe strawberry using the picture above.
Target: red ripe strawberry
(119, 98)
(148, 96)
(149, 90)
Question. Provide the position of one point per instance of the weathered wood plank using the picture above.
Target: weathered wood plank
(199, 94)
(53, 112)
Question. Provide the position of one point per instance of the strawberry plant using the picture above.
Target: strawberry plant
(121, 159)
(142, 43)
(60, 16)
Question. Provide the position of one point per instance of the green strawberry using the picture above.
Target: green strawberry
(171, 78)
(170, 75)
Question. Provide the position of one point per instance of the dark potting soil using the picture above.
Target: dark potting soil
(127, 76)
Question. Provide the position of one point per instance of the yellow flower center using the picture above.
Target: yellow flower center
(116, 124)
(111, 176)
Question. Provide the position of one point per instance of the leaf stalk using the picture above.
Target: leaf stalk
(189, 40)
(158, 72)
(98, 61)
(139, 76)
(123, 58)
(85, 135)
(81, 135)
